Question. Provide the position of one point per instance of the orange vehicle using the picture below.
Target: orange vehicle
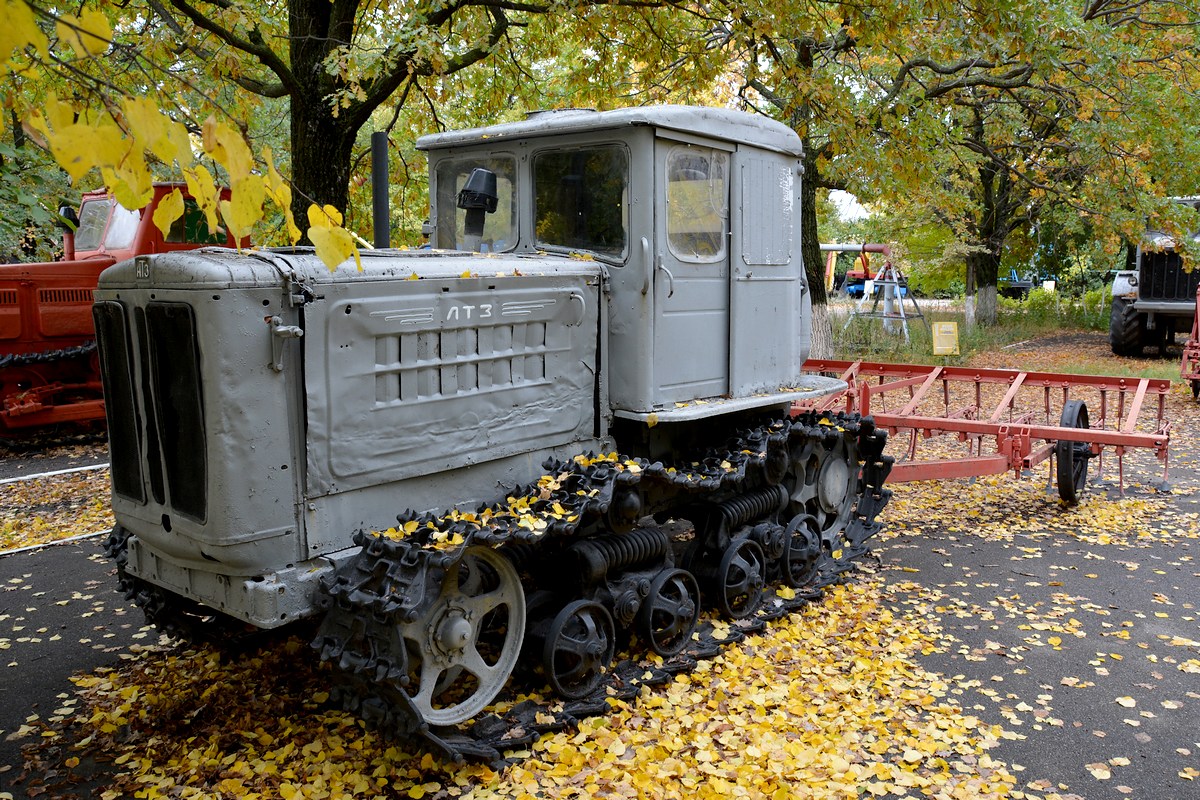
(48, 367)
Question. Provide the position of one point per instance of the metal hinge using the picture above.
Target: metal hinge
(299, 292)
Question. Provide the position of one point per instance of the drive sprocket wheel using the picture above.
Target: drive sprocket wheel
(464, 645)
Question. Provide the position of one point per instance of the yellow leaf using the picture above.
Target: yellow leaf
(130, 180)
(281, 193)
(1100, 771)
(334, 245)
(19, 30)
(1127, 702)
(170, 208)
(226, 145)
(88, 34)
(164, 137)
(203, 190)
(244, 206)
(78, 147)
(324, 217)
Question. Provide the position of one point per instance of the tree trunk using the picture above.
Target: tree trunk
(984, 266)
(985, 304)
(322, 144)
(322, 149)
(814, 270)
(822, 333)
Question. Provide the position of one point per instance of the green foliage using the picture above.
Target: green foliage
(32, 188)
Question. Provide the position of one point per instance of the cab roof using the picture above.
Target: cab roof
(719, 123)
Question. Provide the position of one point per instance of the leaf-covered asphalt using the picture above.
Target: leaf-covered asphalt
(1003, 646)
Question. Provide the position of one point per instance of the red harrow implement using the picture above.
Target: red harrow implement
(1032, 416)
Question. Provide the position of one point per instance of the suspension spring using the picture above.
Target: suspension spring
(751, 506)
(600, 555)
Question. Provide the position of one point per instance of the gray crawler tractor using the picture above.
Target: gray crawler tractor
(422, 455)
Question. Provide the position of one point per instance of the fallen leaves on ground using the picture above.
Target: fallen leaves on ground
(53, 508)
(828, 701)
(835, 701)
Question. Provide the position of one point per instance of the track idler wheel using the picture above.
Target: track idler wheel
(825, 482)
(464, 644)
(1073, 457)
(740, 579)
(668, 614)
(580, 644)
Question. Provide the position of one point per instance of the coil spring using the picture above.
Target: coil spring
(599, 555)
(752, 505)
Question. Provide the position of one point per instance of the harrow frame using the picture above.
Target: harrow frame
(1024, 438)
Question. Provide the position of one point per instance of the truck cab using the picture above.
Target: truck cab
(1154, 295)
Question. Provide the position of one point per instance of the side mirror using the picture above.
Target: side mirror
(68, 220)
(478, 197)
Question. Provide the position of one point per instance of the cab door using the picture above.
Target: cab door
(691, 271)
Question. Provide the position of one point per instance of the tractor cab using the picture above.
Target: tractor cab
(692, 214)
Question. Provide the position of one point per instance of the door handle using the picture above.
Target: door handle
(670, 278)
(649, 266)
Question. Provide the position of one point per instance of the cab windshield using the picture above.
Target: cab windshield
(500, 227)
(581, 199)
(106, 222)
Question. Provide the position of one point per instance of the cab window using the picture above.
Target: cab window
(500, 227)
(581, 199)
(697, 203)
(192, 227)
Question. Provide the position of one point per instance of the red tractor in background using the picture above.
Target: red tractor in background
(49, 372)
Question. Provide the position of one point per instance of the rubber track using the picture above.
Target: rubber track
(20, 360)
(388, 581)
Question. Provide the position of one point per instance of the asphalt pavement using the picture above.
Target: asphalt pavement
(60, 614)
(1085, 652)
(1077, 649)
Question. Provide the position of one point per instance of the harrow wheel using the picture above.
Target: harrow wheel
(464, 645)
(668, 614)
(1072, 457)
(579, 646)
(740, 579)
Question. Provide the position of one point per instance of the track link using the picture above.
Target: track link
(395, 575)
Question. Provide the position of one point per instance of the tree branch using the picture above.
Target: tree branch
(253, 46)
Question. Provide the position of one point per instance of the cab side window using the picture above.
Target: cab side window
(697, 203)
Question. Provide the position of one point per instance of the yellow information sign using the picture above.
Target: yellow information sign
(945, 338)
